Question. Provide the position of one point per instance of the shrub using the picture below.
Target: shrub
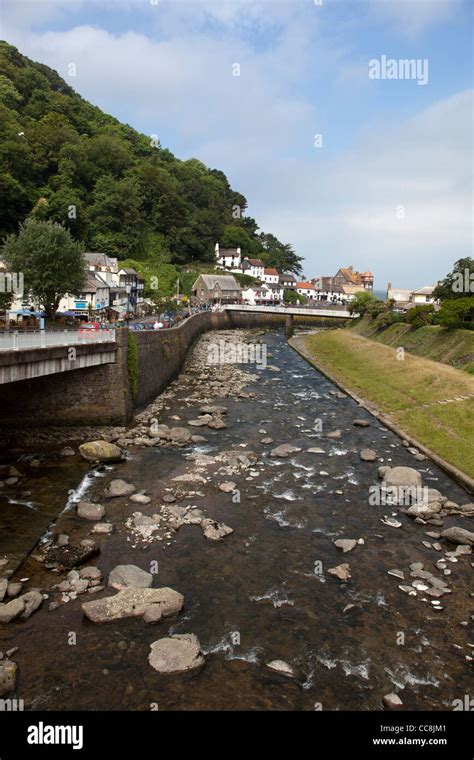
(388, 318)
(421, 315)
(361, 302)
(456, 312)
(376, 308)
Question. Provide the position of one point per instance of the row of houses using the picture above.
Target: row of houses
(405, 299)
(109, 292)
(271, 284)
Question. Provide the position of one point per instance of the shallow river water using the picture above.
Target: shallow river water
(255, 596)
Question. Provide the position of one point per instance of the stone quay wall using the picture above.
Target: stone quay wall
(109, 394)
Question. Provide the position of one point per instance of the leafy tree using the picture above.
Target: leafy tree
(116, 216)
(458, 283)
(51, 261)
(456, 312)
(250, 226)
(376, 308)
(279, 255)
(421, 315)
(6, 300)
(361, 302)
(131, 198)
(291, 296)
(8, 92)
(237, 237)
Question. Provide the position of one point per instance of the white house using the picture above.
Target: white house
(287, 281)
(306, 289)
(423, 295)
(262, 294)
(271, 276)
(406, 299)
(95, 296)
(251, 295)
(253, 267)
(228, 258)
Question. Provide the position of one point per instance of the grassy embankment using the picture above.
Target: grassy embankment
(400, 389)
(455, 347)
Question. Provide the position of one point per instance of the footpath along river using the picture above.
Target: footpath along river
(262, 592)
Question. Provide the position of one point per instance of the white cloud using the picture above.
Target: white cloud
(259, 129)
(412, 17)
(349, 209)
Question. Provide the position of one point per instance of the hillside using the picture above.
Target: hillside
(62, 158)
(454, 347)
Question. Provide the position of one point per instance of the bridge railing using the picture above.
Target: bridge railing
(15, 340)
(304, 311)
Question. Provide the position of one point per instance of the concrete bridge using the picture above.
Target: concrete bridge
(29, 355)
(294, 310)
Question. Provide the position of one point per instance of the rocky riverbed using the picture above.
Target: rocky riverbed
(231, 553)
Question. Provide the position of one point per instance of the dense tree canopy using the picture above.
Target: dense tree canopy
(459, 283)
(116, 190)
(362, 302)
(456, 312)
(51, 261)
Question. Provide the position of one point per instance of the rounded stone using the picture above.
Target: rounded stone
(152, 614)
(176, 654)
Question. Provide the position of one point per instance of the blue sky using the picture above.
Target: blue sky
(391, 187)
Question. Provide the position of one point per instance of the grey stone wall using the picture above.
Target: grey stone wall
(102, 395)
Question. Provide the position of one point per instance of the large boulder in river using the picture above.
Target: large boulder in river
(280, 666)
(284, 450)
(214, 530)
(11, 610)
(90, 511)
(132, 602)
(55, 557)
(7, 677)
(101, 451)
(159, 431)
(340, 571)
(176, 654)
(458, 536)
(425, 511)
(179, 435)
(392, 702)
(402, 477)
(119, 487)
(32, 600)
(124, 576)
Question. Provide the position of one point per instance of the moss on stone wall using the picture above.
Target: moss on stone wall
(132, 363)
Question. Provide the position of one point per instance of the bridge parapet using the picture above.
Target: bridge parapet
(292, 310)
(14, 340)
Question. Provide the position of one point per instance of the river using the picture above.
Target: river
(263, 592)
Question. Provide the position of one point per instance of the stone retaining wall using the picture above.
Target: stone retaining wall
(105, 395)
